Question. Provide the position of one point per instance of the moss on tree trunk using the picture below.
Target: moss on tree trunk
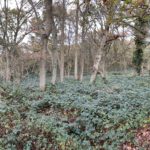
(140, 35)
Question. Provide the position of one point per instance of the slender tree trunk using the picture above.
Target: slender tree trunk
(96, 67)
(76, 42)
(104, 72)
(62, 43)
(18, 75)
(142, 70)
(23, 68)
(54, 67)
(124, 64)
(62, 65)
(148, 67)
(68, 70)
(76, 64)
(43, 64)
(82, 52)
(97, 60)
(8, 73)
(84, 28)
(54, 53)
(82, 69)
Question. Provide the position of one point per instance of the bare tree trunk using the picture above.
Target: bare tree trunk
(104, 73)
(148, 67)
(81, 67)
(62, 65)
(44, 37)
(96, 67)
(82, 52)
(54, 53)
(97, 60)
(76, 42)
(124, 64)
(8, 74)
(68, 70)
(22, 68)
(43, 64)
(142, 70)
(84, 28)
(76, 64)
(18, 75)
(46, 30)
(54, 67)
(62, 44)
(5, 41)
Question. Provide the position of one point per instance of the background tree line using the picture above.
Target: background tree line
(73, 38)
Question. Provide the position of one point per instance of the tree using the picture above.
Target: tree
(85, 12)
(106, 23)
(14, 27)
(137, 12)
(44, 30)
(141, 24)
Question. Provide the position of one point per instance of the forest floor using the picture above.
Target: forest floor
(76, 116)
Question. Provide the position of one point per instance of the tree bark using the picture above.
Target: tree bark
(81, 68)
(44, 38)
(8, 73)
(43, 64)
(82, 51)
(62, 65)
(54, 53)
(54, 67)
(5, 45)
(84, 29)
(141, 24)
(97, 60)
(62, 43)
(76, 42)
(104, 72)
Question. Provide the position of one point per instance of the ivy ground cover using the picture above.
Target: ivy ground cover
(74, 115)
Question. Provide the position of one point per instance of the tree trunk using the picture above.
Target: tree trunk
(141, 24)
(104, 73)
(76, 64)
(124, 64)
(43, 64)
(82, 51)
(62, 43)
(44, 37)
(8, 73)
(85, 20)
(97, 60)
(81, 67)
(148, 67)
(54, 66)
(76, 42)
(54, 53)
(62, 66)
(95, 67)
(68, 71)
(22, 68)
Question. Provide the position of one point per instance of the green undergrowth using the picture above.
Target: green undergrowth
(73, 115)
